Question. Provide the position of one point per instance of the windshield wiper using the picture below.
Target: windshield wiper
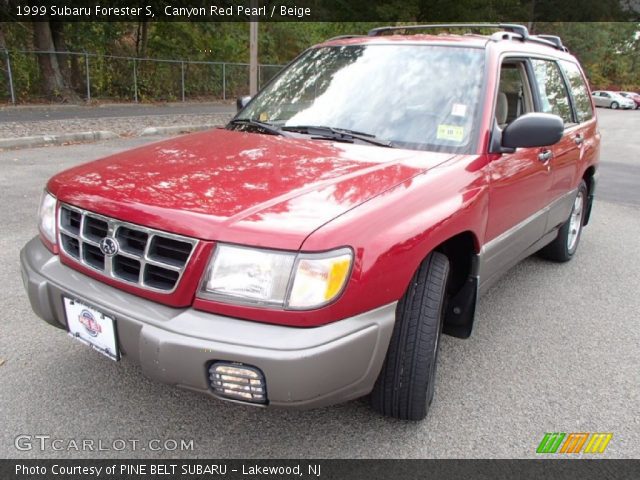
(342, 134)
(267, 127)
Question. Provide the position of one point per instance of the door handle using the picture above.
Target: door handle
(545, 155)
(578, 139)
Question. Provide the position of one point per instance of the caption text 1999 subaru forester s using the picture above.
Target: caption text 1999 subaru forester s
(314, 249)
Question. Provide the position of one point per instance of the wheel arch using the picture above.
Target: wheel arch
(462, 292)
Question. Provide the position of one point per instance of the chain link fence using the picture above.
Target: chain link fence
(119, 78)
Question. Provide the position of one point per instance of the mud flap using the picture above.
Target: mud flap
(458, 320)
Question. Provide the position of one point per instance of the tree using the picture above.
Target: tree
(53, 81)
(3, 41)
(142, 37)
(608, 51)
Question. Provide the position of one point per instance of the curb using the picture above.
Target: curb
(39, 106)
(174, 129)
(41, 140)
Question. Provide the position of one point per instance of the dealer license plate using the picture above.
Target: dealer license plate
(92, 327)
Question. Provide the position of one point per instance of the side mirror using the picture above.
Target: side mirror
(242, 102)
(533, 130)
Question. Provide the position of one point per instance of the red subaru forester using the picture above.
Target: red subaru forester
(314, 249)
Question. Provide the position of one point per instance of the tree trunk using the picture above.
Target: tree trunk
(3, 47)
(635, 55)
(53, 81)
(60, 45)
(145, 38)
(142, 38)
(532, 16)
(69, 64)
(3, 42)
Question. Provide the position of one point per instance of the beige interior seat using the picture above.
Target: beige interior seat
(502, 109)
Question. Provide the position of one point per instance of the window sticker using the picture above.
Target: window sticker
(264, 116)
(459, 110)
(452, 133)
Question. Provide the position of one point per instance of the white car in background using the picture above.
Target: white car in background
(614, 100)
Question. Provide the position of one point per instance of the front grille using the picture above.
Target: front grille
(148, 258)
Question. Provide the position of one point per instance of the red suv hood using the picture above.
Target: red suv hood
(238, 187)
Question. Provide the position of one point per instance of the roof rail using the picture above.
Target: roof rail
(509, 27)
(343, 37)
(517, 31)
(557, 41)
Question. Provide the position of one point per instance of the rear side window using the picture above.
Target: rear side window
(553, 92)
(579, 91)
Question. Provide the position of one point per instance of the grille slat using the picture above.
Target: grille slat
(151, 259)
(159, 277)
(70, 221)
(71, 245)
(126, 268)
(93, 256)
(132, 241)
(94, 228)
(168, 250)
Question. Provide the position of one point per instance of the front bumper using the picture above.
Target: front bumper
(303, 367)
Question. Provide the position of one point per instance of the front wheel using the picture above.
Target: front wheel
(405, 387)
(614, 105)
(566, 243)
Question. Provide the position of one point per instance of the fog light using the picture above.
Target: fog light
(238, 382)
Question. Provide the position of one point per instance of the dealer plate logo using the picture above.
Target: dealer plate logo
(89, 323)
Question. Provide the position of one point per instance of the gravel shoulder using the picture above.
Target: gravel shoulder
(123, 126)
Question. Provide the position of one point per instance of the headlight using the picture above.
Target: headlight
(258, 276)
(47, 216)
(275, 278)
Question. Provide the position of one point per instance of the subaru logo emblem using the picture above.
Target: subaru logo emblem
(109, 246)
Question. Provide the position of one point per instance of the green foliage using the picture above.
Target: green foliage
(609, 52)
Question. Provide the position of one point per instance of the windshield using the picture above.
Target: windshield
(412, 96)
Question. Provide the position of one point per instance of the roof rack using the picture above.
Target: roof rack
(519, 31)
(343, 37)
(509, 27)
(557, 41)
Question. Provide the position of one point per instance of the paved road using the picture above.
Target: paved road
(620, 171)
(73, 112)
(555, 349)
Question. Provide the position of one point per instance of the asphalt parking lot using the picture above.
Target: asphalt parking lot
(555, 349)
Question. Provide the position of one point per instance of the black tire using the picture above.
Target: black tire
(614, 105)
(562, 249)
(405, 387)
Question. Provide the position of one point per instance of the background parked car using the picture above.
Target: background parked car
(633, 96)
(612, 100)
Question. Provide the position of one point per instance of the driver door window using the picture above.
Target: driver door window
(514, 94)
